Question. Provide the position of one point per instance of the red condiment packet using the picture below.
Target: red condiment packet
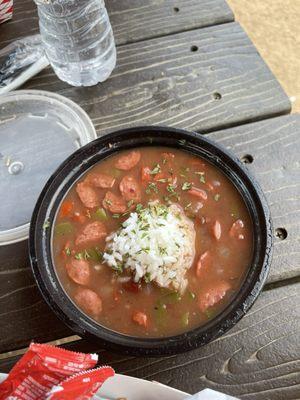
(81, 386)
(42, 367)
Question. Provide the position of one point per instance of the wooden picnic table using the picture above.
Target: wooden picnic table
(186, 63)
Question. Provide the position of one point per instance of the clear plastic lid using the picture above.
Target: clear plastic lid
(38, 130)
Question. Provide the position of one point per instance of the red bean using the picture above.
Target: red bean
(217, 230)
(89, 301)
(128, 161)
(79, 271)
(140, 318)
(87, 195)
(203, 263)
(237, 230)
(94, 231)
(101, 180)
(114, 203)
(213, 295)
(130, 189)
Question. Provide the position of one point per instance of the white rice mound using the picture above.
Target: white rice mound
(157, 244)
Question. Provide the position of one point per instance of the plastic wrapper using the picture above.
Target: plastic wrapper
(21, 60)
(6, 10)
(40, 369)
(81, 386)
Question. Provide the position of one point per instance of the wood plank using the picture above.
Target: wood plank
(274, 145)
(133, 20)
(23, 313)
(258, 359)
(205, 79)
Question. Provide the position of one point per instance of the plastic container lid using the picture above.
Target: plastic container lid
(38, 130)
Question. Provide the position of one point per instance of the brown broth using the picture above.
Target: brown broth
(229, 260)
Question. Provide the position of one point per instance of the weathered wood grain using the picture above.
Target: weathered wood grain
(23, 312)
(274, 145)
(257, 360)
(205, 79)
(132, 20)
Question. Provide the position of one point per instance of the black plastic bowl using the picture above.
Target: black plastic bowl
(83, 159)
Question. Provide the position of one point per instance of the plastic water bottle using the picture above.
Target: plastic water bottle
(78, 40)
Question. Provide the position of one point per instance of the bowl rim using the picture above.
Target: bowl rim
(83, 159)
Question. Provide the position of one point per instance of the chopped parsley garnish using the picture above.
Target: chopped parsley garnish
(147, 277)
(164, 161)
(186, 186)
(171, 188)
(201, 176)
(152, 187)
(162, 250)
(129, 204)
(108, 202)
(79, 256)
(68, 251)
(139, 207)
(155, 170)
(217, 197)
(162, 180)
(116, 215)
(187, 206)
(119, 268)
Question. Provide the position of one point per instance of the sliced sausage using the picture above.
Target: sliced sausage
(140, 318)
(89, 301)
(79, 271)
(102, 181)
(203, 263)
(217, 230)
(94, 231)
(213, 295)
(130, 189)
(200, 193)
(87, 195)
(114, 203)
(128, 161)
(237, 230)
